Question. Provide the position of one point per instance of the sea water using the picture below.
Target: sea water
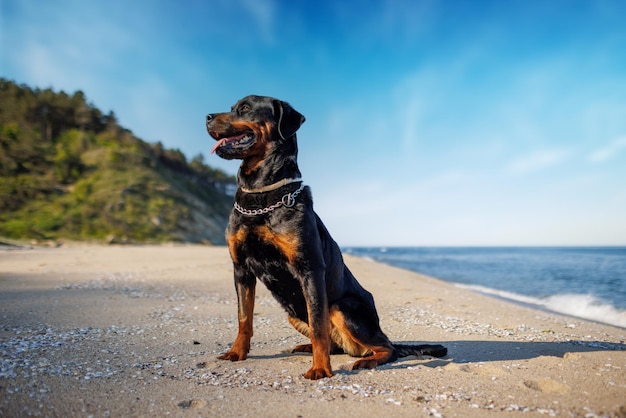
(585, 282)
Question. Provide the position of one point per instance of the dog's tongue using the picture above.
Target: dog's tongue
(218, 144)
(225, 141)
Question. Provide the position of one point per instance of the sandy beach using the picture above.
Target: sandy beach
(135, 331)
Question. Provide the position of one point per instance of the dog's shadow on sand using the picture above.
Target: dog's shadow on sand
(461, 352)
(483, 351)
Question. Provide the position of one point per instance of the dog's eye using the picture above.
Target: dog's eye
(244, 108)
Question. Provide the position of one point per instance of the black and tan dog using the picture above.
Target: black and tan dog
(274, 236)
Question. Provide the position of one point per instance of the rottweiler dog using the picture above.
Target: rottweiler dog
(274, 235)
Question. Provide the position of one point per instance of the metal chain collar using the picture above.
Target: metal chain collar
(288, 201)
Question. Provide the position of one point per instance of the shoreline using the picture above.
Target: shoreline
(135, 330)
(494, 293)
(586, 297)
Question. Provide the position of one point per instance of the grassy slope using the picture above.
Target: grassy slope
(99, 184)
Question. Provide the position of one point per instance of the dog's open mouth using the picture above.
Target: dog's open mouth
(235, 142)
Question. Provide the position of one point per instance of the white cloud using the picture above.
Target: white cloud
(263, 12)
(608, 151)
(411, 121)
(537, 161)
(69, 46)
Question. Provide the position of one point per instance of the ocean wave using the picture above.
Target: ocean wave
(580, 306)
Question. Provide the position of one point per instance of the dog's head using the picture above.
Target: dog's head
(253, 127)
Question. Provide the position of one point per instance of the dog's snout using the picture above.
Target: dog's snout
(209, 124)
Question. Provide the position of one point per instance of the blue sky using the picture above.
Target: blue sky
(433, 122)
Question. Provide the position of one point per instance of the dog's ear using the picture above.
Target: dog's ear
(288, 119)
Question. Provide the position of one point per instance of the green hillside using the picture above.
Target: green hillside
(68, 171)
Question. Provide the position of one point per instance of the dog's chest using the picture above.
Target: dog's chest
(270, 256)
(263, 243)
(283, 285)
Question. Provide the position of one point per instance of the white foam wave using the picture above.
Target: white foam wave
(580, 306)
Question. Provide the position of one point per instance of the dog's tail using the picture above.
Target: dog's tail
(405, 350)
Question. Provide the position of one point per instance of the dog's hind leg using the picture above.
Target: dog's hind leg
(303, 328)
(356, 330)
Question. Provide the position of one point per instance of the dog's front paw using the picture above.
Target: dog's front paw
(233, 356)
(318, 373)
